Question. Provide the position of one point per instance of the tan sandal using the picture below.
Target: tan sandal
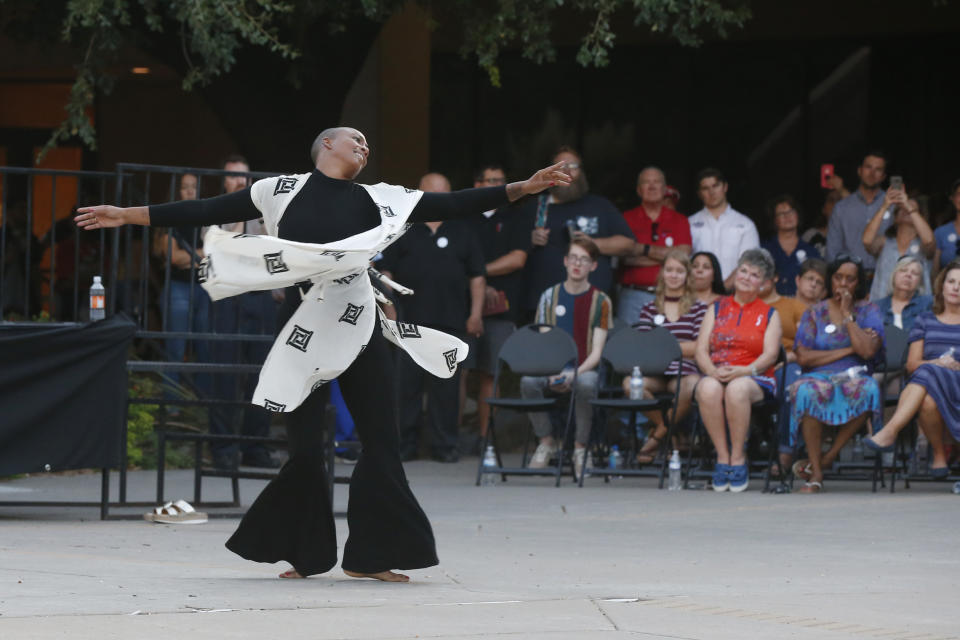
(646, 457)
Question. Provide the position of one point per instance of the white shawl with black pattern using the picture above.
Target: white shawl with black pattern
(335, 320)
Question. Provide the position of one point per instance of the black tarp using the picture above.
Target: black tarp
(63, 393)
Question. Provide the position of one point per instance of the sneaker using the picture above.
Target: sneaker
(739, 478)
(578, 457)
(721, 477)
(541, 457)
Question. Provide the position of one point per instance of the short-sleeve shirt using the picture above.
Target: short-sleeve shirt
(946, 237)
(937, 336)
(577, 314)
(788, 265)
(595, 216)
(672, 230)
(499, 234)
(814, 332)
(726, 236)
(685, 328)
(790, 310)
(437, 266)
(738, 331)
(847, 224)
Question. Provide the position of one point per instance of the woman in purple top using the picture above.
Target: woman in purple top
(838, 343)
(675, 307)
(933, 392)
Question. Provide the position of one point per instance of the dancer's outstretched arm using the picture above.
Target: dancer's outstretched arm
(230, 207)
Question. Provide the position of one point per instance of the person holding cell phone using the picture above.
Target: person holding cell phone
(586, 313)
(909, 235)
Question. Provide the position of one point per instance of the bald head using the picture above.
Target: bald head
(651, 186)
(434, 183)
(330, 134)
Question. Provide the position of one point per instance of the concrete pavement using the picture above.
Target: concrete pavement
(521, 560)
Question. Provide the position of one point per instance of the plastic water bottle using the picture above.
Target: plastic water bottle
(858, 448)
(616, 458)
(949, 353)
(98, 310)
(674, 482)
(488, 479)
(848, 374)
(636, 384)
(956, 488)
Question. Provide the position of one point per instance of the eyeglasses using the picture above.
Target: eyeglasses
(782, 214)
(580, 260)
(846, 257)
(654, 229)
(495, 180)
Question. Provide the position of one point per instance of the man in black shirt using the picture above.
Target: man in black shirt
(505, 242)
(441, 262)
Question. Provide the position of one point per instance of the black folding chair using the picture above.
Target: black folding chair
(653, 350)
(897, 346)
(532, 350)
(764, 411)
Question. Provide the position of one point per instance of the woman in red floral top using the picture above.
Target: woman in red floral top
(737, 347)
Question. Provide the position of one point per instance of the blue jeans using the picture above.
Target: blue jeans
(180, 317)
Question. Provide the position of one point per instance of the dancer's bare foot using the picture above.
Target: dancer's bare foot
(386, 576)
(290, 573)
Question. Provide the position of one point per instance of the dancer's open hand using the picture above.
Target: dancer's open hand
(101, 216)
(551, 176)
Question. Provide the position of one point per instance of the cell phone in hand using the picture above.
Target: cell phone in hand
(896, 182)
(826, 174)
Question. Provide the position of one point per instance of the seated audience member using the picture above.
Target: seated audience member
(586, 313)
(811, 282)
(658, 230)
(554, 219)
(933, 391)
(718, 227)
(947, 235)
(737, 347)
(676, 308)
(817, 234)
(910, 234)
(707, 281)
(786, 248)
(902, 307)
(790, 311)
(842, 332)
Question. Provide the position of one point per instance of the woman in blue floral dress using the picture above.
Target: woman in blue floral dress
(834, 337)
(933, 392)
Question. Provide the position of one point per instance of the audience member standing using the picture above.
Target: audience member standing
(718, 227)
(910, 234)
(504, 242)
(948, 235)
(786, 248)
(658, 230)
(441, 262)
(851, 215)
(565, 213)
(252, 313)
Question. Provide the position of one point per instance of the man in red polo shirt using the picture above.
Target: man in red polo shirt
(658, 229)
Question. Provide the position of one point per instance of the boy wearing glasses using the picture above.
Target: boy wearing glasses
(658, 229)
(586, 313)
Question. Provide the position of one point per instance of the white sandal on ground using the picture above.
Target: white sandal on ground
(179, 512)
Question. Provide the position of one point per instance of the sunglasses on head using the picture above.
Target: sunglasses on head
(655, 231)
(846, 257)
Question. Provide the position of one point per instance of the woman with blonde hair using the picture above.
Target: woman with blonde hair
(675, 307)
(907, 300)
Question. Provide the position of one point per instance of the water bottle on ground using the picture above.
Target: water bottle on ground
(858, 448)
(675, 483)
(489, 462)
(848, 374)
(636, 384)
(956, 488)
(98, 310)
(616, 459)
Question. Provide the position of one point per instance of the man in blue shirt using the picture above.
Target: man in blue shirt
(786, 248)
(851, 215)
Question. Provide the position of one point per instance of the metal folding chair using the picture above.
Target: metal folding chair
(532, 350)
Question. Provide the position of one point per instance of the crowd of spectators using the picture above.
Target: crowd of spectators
(820, 295)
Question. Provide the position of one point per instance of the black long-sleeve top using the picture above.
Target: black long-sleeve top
(325, 210)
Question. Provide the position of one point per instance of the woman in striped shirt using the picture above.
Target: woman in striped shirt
(675, 307)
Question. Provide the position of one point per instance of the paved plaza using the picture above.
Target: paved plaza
(521, 560)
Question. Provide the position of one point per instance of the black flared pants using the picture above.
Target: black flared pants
(292, 519)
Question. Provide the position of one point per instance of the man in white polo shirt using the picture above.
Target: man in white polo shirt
(718, 227)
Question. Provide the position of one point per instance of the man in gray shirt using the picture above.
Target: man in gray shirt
(851, 215)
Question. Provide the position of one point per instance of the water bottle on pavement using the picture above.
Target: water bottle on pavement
(956, 488)
(489, 462)
(675, 483)
(98, 310)
(616, 458)
(636, 384)
(848, 374)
